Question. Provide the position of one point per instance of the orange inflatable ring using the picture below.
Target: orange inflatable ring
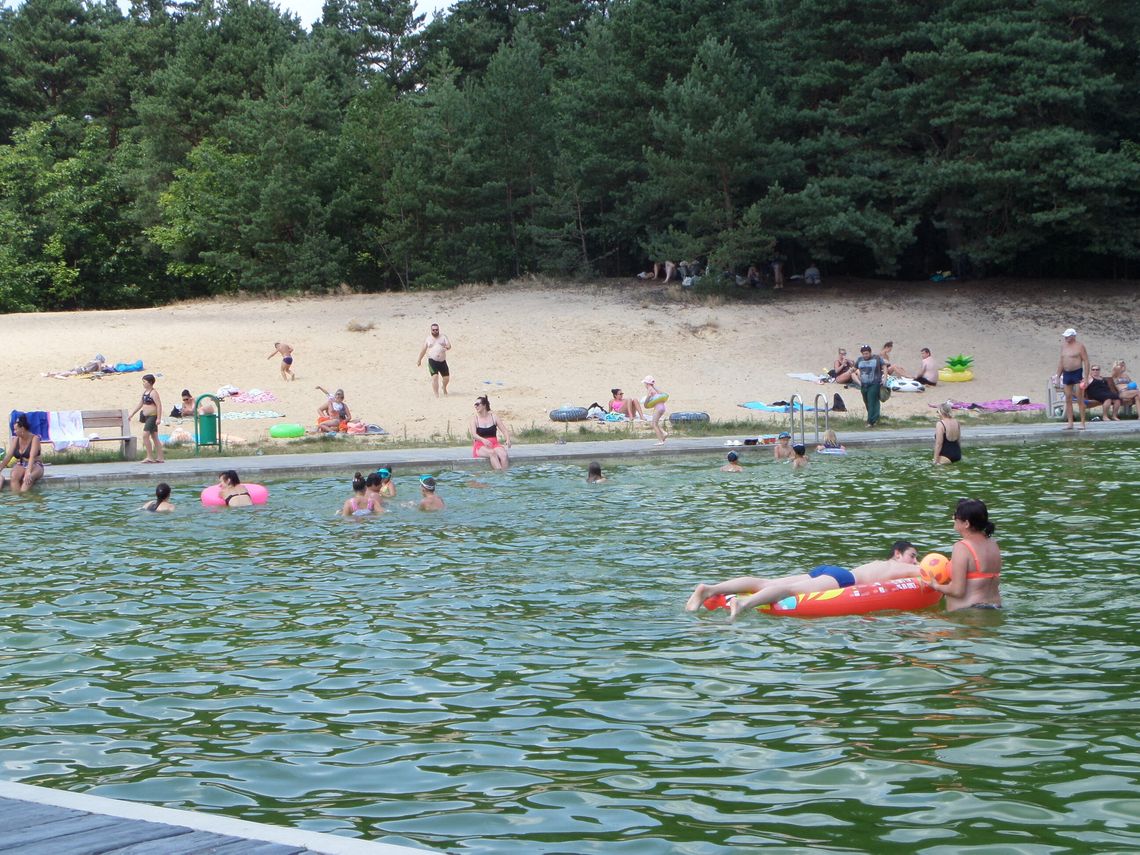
(897, 595)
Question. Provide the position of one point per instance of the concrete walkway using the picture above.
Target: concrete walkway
(261, 467)
(54, 822)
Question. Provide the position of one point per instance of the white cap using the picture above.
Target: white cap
(649, 379)
(1068, 333)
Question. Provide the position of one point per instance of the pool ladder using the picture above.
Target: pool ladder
(825, 409)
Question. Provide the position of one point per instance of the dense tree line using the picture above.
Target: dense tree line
(207, 146)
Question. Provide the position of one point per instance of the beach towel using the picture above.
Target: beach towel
(254, 396)
(253, 414)
(809, 377)
(375, 430)
(1003, 405)
(125, 367)
(778, 407)
(37, 422)
(65, 429)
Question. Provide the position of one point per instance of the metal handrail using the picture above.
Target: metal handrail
(826, 415)
(792, 413)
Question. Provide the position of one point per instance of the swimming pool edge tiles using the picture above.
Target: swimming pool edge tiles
(223, 826)
(254, 467)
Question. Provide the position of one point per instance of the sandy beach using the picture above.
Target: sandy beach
(534, 347)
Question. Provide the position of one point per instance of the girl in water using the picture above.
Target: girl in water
(975, 563)
(161, 503)
(362, 503)
(387, 488)
(484, 430)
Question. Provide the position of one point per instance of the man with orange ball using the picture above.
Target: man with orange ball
(903, 564)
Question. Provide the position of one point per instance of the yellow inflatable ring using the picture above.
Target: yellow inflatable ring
(654, 400)
(945, 375)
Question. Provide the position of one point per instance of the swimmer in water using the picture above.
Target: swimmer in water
(594, 473)
(733, 465)
(161, 503)
(800, 460)
(231, 490)
(362, 503)
(429, 500)
(830, 443)
(975, 563)
(783, 449)
(387, 487)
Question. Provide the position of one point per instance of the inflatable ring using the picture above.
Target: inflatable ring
(286, 431)
(904, 384)
(689, 417)
(945, 375)
(212, 495)
(820, 449)
(898, 595)
(653, 400)
(568, 414)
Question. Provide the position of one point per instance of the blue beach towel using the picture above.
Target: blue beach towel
(774, 408)
(37, 422)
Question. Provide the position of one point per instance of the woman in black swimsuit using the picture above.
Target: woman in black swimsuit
(484, 432)
(23, 453)
(947, 432)
(232, 491)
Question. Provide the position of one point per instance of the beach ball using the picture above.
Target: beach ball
(934, 567)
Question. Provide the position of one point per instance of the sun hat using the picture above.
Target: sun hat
(1069, 332)
(649, 379)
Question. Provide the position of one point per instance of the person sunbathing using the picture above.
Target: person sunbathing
(902, 564)
(629, 407)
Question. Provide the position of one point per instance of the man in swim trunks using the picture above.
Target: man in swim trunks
(435, 348)
(902, 564)
(1072, 368)
(286, 352)
(928, 374)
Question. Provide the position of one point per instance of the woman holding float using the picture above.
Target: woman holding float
(484, 432)
(975, 563)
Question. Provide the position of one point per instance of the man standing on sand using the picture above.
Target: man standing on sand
(868, 377)
(928, 374)
(436, 347)
(1071, 368)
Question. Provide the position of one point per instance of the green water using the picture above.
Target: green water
(516, 675)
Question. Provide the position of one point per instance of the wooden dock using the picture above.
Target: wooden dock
(37, 820)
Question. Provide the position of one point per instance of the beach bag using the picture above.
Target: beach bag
(884, 393)
(837, 406)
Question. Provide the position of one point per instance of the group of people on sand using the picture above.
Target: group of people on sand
(1111, 392)
(975, 570)
(635, 410)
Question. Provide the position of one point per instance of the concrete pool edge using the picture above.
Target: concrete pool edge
(217, 824)
(256, 466)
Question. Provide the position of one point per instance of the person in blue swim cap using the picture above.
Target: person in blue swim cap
(783, 449)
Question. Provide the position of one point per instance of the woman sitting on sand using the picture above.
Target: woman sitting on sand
(841, 370)
(333, 416)
(629, 407)
(232, 491)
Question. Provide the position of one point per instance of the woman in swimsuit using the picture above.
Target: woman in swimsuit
(149, 407)
(947, 432)
(841, 370)
(23, 453)
(334, 415)
(975, 564)
(161, 503)
(231, 490)
(362, 503)
(628, 407)
(484, 430)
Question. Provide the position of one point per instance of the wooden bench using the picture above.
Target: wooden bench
(111, 426)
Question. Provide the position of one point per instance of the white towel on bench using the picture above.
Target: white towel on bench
(65, 429)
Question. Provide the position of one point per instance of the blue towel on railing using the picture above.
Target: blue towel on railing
(37, 422)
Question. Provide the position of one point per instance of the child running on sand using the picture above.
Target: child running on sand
(286, 352)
